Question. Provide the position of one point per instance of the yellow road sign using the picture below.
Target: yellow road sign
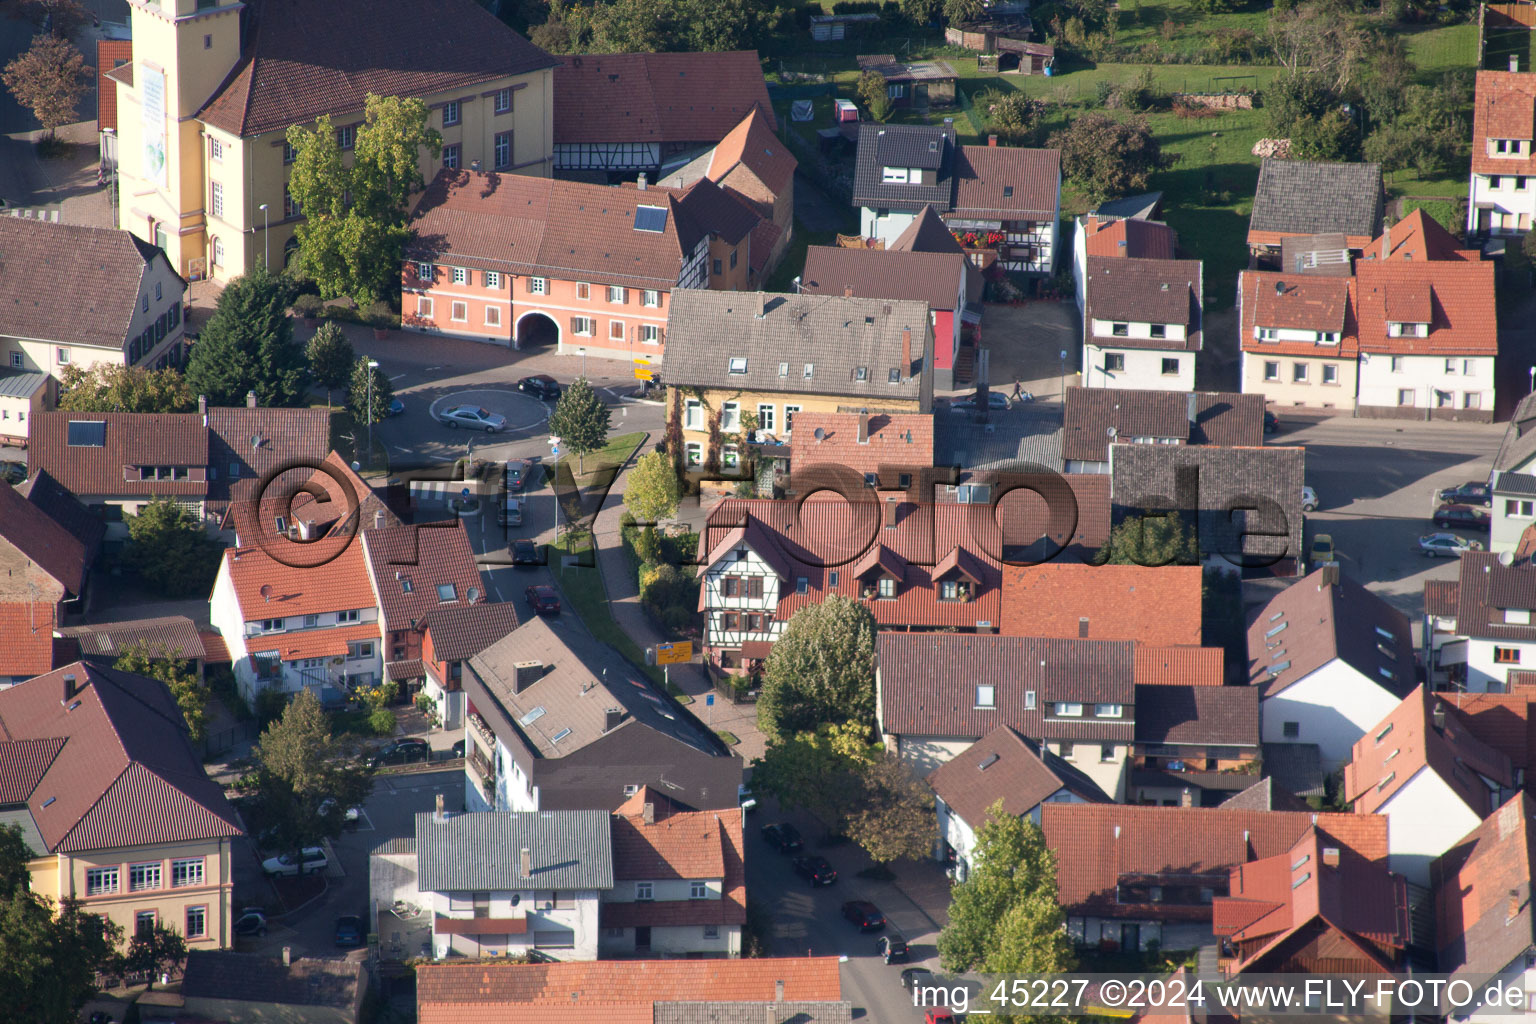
(674, 654)
(642, 374)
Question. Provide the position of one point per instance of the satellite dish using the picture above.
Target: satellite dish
(256, 441)
(1506, 558)
(266, 591)
(474, 594)
(819, 434)
(1113, 432)
(357, 467)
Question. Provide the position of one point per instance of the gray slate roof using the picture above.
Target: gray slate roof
(833, 334)
(1142, 474)
(482, 851)
(929, 147)
(247, 978)
(1313, 197)
(1141, 207)
(1519, 444)
(1514, 483)
(21, 383)
(1029, 434)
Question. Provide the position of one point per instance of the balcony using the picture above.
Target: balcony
(482, 731)
(485, 772)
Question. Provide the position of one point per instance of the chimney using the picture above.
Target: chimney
(1082, 627)
(762, 305)
(525, 862)
(1514, 905)
(640, 182)
(847, 291)
(1330, 856)
(202, 405)
(991, 140)
(863, 428)
(1187, 798)
(906, 352)
(778, 991)
(1438, 717)
(378, 519)
(1514, 62)
(69, 687)
(648, 815)
(437, 812)
(287, 956)
(1193, 410)
(474, 165)
(526, 673)
(612, 718)
(890, 513)
(1330, 577)
(250, 399)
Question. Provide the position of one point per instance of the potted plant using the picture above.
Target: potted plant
(308, 306)
(381, 319)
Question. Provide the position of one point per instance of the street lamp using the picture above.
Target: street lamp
(371, 367)
(266, 245)
(1533, 380)
(583, 353)
(1062, 385)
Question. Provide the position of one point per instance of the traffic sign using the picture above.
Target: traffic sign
(674, 654)
(464, 493)
(709, 700)
(554, 441)
(641, 374)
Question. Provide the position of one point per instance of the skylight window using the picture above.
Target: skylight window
(532, 716)
(1302, 862)
(1276, 630)
(738, 364)
(1384, 634)
(87, 434)
(650, 218)
(1277, 669)
(562, 734)
(447, 592)
(1301, 881)
(991, 759)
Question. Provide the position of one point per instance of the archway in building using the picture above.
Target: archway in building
(289, 248)
(536, 331)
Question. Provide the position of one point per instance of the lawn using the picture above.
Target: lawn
(612, 455)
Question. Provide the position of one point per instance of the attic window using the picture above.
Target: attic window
(810, 368)
(1384, 733)
(933, 145)
(1384, 783)
(532, 716)
(1277, 655)
(1276, 630)
(1384, 634)
(739, 364)
(861, 373)
(650, 218)
(802, 585)
(1387, 673)
(447, 592)
(1007, 191)
(1302, 862)
(1275, 670)
(1301, 881)
(783, 369)
(562, 734)
(1275, 616)
(895, 377)
(991, 759)
(1389, 652)
(406, 586)
(87, 434)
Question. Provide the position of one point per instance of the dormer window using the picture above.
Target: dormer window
(1509, 147)
(1517, 616)
(901, 175)
(1403, 329)
(738, 364)
(1267, 334)
(886, 588)
(1328, 337)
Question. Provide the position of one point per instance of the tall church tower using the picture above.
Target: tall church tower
(182, 51)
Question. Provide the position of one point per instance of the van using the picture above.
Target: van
(510, 513)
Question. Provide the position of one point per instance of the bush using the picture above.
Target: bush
(648, 546)
(380, 315)
(308, 305)
(382, 722)
(270, 704)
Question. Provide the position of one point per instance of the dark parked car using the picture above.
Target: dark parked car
(252, 921)
(864, 914)
(1462, 517)
(892, 949)
(518, 472)
(783, 837)
(458, 749)
(525, 552)
(540, 385)
(1470, 493)
(543, 600)
(1271, 422)
(815, 870)
(916, 977)
(349, 931)
(406, 751)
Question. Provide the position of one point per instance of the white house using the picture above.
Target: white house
(1332, 660)
(504, 883)
(1514, 479)
(1142, 323)
(1481, 627)
(1132, 237)
(1502, 198)
(1001, 766)
(1423, 769)
(739, 593)
(289, 627)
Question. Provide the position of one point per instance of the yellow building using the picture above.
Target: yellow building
(756, 359)
(109, 794)
(204, 107)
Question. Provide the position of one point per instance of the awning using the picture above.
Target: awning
(756, 648)
(480, 926)
(972, 313)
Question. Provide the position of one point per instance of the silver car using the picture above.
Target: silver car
(475, 418)
(1447, 545)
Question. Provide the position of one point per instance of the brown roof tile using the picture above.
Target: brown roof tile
(560, 229)
(1213, 715)
(936, 278)
(1145, 291)
(176, 635)
(1504, 108)
(259, 441)
(1129, 237)
(657, 97)
(102, 268)
(1007, 182)
(292, 68)
(678, 844)
(1005, 766)
(126, 775)
(600, 981)
(23, 763)
(42, 541)
(1487, 587)
(463, 631)
(1503, 721)
(64, 509)
(1098, 845)
(427, 557)
(132, 440)
(1156, 606)
(1484, 915)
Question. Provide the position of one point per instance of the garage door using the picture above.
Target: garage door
(554, 938)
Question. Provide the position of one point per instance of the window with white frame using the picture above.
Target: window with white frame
(347, 616)
(583, 326)
(142, 877)
(1271, 370)
(216, 199)
(101, 881)
(695, 454)
(617, 295)
(458, 311)
(460, 275)
(1406, 396)
(197, 922)
(730, 416)
(1069, 709)
(450, 113)
(789, 417)
(1109, 711)
(503, 101)
(615, 330)
(188, 871)
(737, 365)
(644, 891)
(693, 414)
(698, 890)
(346, 135)
(1268, 334)
(503, 150)
(424, 307)
(289, 153)
(583, 290)
(1330, 373)
(492, 279)
(730, 456)
(1397, 364)
(765, 421)
(538, 286)
(650, 298)
(215, 149)
(451, 158)
(426, 272)
(493, 316)
(986, 696)
(63, 355)
(650, 334)
(291, 206)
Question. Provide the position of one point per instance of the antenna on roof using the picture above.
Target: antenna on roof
(1113, 432)
(1506, 558)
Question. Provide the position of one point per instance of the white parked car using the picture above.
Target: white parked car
(475, 418)
(314, 862)
(1308, 500)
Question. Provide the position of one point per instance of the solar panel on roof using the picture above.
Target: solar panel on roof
(87, 434)
(650, 218)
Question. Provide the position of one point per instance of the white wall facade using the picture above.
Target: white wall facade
(716, 603)
(572, 915)
(1489, 663)
(1143, 367)
(1432, 382)
(888, 227)
(1107, 764)
(1425, 818)
(925, 753)
(1333, 707)
(1274, 376)
(1508, 209)
(1513, 511)
(961, 836)
(672, 939)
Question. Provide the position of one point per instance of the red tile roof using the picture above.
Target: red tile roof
(42, 541)
(1308, 303)
(1504, 108)
(594, 983)
(1142, 239)
(1154, 606)
(753, 145)
(131, 440)
(694, 845)
(332, 642)
(1454, 297)
(566, 230)
(126, 774)
(1005, 766)
(1407, 741)
(657, 97)
(266, 588)
(1097, 846)
(934, 277)
(1485, 918)
(293, 68)
(1180, 666)
(1273, 898)
(1501, 720)
(1418, 236)
(895, 440)
(427, 557)
(110, 53)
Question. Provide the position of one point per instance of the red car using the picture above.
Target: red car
(543, 600)
(937, 1016)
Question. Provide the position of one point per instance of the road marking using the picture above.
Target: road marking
(397, 376)
(431, 368)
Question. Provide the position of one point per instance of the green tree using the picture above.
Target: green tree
(160, 949)
(49, 957)
(1334, 136)
(652, 491)
(354, 217)
(1013, 116)
(821, 771)
(1152, 540)
(872, 90)
(170, 550)
(580, 421)
(330, 358)
(959, 12)
(176, 673)
(300, 765)
(112, 387)
(247, 345)
(895, 819)
(1102, 157)
(49, 79)
(822, 669)
(358, 393)
(1005, 918)
(920, 12)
